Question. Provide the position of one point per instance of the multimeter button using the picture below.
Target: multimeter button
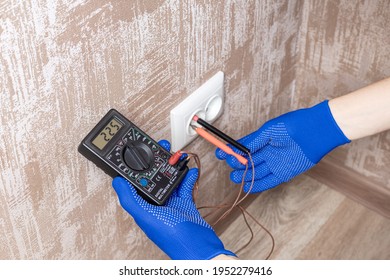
(138, 156)
(143, 182)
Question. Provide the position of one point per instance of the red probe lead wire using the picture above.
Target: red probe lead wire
(220, 144)
(221, 135)
(217, 142)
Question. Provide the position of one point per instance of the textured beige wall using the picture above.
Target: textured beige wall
(63, 64)
(344, 45)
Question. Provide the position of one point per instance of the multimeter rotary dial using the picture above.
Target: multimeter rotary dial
(138, 156)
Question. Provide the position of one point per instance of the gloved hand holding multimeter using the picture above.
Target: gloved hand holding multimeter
(156, 194)
(177, 227)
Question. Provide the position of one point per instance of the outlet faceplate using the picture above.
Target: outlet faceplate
(206, 102)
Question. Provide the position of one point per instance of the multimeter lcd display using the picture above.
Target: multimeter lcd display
(107, 133)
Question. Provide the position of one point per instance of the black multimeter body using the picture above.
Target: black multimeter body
(119, 147)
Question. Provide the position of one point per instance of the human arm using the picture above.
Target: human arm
(363, 112)
(294, 142)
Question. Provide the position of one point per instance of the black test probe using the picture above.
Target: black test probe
(222, 135)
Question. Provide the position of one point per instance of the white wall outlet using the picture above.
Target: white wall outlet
(206, 102)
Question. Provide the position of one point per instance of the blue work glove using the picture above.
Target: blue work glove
(177, 228)
(287, 146)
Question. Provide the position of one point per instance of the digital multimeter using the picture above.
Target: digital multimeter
(119, 147)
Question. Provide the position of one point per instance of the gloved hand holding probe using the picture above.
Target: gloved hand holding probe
(287, 146)
(294, 142)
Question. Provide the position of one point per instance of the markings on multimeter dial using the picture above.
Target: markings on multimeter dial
(119, 147)
(117, 158)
